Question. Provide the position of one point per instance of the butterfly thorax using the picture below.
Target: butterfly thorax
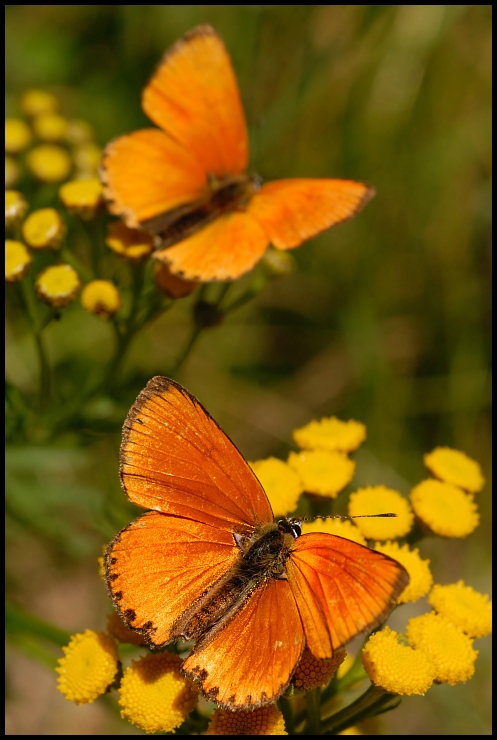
(262, 557)
(222, 195)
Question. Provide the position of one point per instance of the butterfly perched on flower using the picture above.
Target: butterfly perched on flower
(208, 563)
(187, 181)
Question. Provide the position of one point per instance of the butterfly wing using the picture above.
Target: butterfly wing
(291, 211)
(194, 97)
(341, 589)
(248, 658)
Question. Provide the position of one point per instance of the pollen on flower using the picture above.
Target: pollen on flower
(281, 483)
(88, 668)
(312, 672)
(420, 577)
(132, 244)
(444, 509)
(335, 526)
(101, 297)
(49, 163)
(455, 467)
(381, 500)
(122, 633)
(44, 229)
(17, 135)
(82, 197)
(322, 472)
(154, 695)
(261, 721)
(394, 667)
(17, 261)
(57, 285)
(449, 649)
(331, 434)
(464, 607)
(15, 208)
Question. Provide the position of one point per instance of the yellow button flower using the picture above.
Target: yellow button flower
(79, 131)
(87, 158)
(50, 127)
(49, 163)
(132, 244)
(172, 285)
(35, 102)
(12, 172)
(101, 297)
(44, 229)
(331, 434)
(337, 527)
(261, 721)
(452, 466)
(17, 261)
(449, 649)
(121, 633)
(82, 197)
(464, 607)
(312, 672)
(322, 472)
(381, 500)
(154, 695)
(281, 483)
(15, 208)
(444, 509)
(394, 667)
(17, 135)
(57, 285)
(88, 668)
(420, 577)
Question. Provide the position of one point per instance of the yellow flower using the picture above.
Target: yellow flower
(49, 163)
(331, 434)
(82, 197)
(312, 672)
(449, 649)
(172, 285)
(121, 633)
(420, 577)
(455, 467)
(261, 721)
(15, 208)
(278, 263)
(394, 667)
(154, 695)
(17, 135)
(444, 509)
(282, 484)
(381, 500)
(130, 243)
(88, 668)
(44, 229)
(79, 131)
(322, 472)
(87, 158)
(465, 607)
(57, 285)
(50, 127)
(337, 527)
(12, 172)
(17, 261)
(101, 297)
(35, 102)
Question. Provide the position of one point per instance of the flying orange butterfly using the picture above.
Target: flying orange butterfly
(188, 184)
(209, 563)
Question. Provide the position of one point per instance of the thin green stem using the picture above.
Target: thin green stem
(313, 719)
(44, 365)
(374, 701)
(197, 330)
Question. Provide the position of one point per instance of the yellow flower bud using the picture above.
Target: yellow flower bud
(49, 163)
(82, 197)
(87, 159)
(88, 668)
(57, 285)
(35, 102)
(17, 135)
(132, 244)
(17, 261)
(101, 297)
(44, 229)
(50, 127)
(15, 208)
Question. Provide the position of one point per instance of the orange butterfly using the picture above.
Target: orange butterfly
(188, 184)
(208, 562)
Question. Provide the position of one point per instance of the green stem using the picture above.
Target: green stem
(374, 701)
(45, 374)
(20, 621)
(313, 719)
(197, 330)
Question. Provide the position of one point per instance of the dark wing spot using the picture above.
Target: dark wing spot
(118, 595)
(113, 577)
(130, 615)
(148, 626)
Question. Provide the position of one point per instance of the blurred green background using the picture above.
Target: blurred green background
(386, 319)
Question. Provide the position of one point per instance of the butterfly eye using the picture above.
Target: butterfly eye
(292, 526)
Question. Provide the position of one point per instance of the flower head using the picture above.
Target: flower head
(88, 668)
(82, 197)
(101, 297)
(154, 695)
(449, 649)
(50, 126)
(381, 500)
(464, 607)
(444, 509)
(17, 135)
(322, 472)
(87, 159)
(452, 466)
(17, 261)
(261, 721)
(57, 285)
(44, 229)
(49, 163)
(312, 672)
(15, 208)
(395, 667)
(420, 577)
(132, 244)
(36, 102)
(281, 483)
(331, 434)
(337, 527)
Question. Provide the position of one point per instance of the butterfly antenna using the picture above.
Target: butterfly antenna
(342, 516)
